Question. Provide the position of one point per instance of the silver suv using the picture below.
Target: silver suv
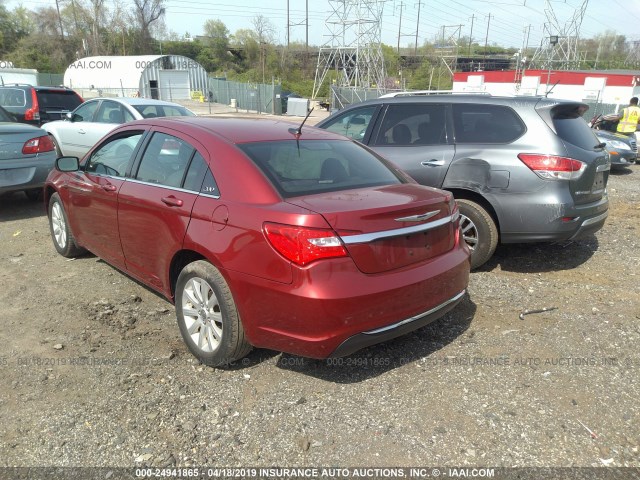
(523, 169)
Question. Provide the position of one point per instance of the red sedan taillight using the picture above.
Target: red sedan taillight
(552, 167)
(303, 245)
(38, 145)
(33, 113)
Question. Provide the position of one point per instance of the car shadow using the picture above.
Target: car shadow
(621, 171)
(542, 257)
(16, 206)
(378, 359)
(362, 365)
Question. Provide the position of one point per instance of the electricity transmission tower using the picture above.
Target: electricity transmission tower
(633, 58)
(449, 46)
(353, 47)
(559, 45)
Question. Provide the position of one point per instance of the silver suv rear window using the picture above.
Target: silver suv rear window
(481, 123)
(573, 128)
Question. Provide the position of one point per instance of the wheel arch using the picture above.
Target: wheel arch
(181, 259)
(461, 193)
(49, 190)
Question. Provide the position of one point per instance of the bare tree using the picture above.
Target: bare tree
(118, 27)
(265, 31)
(146, 13)
(98, 16)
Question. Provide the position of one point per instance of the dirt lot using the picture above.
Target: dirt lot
(94, 372)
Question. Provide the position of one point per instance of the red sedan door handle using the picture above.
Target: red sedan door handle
(172, 201)
(109, 188)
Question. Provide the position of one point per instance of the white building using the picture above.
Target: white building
(166, 77)
(8, 74)
(609, 87)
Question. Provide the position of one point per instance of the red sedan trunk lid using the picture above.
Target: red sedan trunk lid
(389, 227)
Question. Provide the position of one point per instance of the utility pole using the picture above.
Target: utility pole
(305, 23)
(60, 21)
(473, 17)
(486, 41)
(521, 63)
(415, 50)
(526, 43)
(400, 25)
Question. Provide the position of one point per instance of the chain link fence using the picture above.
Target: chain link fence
(169, 94)
(342, 97)
(599, 108)
(256, 97)
(88, 93)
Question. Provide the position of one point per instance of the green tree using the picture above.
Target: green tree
(246, 41)
(14, 26)
(216, 46)
(216, 36)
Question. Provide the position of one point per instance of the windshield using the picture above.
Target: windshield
(153, 111)
(315, 166)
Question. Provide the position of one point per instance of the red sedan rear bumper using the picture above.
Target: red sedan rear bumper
(333, 309)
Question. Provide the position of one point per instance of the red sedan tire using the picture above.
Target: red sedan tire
(207, 316)
(63, 238)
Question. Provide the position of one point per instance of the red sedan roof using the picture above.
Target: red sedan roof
(245, 130)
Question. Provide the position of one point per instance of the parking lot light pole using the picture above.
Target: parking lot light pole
(553, 41)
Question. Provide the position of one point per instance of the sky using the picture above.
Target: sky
(505, 27)
(502, 22)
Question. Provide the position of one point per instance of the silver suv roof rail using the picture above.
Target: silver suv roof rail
(429, 92)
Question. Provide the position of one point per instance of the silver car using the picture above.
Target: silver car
(92, 120)
(27, 155)
(523, 169)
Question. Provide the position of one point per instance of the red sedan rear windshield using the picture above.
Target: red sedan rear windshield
(316, 166)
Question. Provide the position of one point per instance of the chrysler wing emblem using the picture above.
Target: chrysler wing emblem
(418, 218)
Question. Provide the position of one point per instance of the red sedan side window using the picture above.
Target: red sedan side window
(199, 177)
(112, 158)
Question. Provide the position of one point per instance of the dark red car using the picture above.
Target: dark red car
(304, 243)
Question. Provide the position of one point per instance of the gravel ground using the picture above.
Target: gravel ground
(94, 371)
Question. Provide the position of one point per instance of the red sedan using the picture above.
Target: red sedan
(263, 235)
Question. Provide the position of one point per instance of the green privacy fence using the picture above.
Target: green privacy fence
(50, 79)
(256, 97)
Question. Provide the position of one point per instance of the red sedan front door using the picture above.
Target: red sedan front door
(93, 196)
